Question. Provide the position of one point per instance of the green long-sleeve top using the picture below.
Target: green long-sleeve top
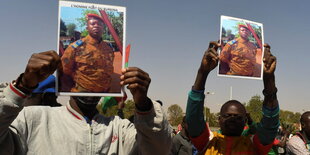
(266, 128)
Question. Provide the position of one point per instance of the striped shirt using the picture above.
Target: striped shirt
(296, 145)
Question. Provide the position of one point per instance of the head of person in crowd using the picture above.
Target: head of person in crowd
(44, 94)
(160, 102)
(2, 86)
(95, 25)
(305, 123)
(244, 32)
(232, 118)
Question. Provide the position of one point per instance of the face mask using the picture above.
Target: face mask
(87, 100)
(234, 126)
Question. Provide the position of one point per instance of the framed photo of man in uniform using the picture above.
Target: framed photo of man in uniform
(241, 48)
(91, 44)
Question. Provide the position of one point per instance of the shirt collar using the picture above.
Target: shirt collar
(241, 40)
(77, 115)
(92, 40)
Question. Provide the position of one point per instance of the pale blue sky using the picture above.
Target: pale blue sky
(69, 15)
(168, 39)
(231, 24)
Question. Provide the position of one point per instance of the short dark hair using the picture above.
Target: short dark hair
(160, 102)
(232, 102)
(303, 116)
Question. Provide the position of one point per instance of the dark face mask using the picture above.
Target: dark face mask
(86, 103)
(233, 126)
(87, 100)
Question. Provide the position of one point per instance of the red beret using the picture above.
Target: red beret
(241, 25)
(91, 15)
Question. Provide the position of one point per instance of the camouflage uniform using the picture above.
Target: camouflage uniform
(240, 55)
(90, 64)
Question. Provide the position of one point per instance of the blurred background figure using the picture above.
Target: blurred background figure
(160, 102)
(181, 144)
(279, 142)
(2, 86)
(300, 142)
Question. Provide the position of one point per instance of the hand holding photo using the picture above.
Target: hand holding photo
(241, 48)
(91, 45)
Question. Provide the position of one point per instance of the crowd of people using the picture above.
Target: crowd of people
(78, 128)
(238, 134)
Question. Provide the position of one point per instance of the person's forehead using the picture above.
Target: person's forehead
(233, 109)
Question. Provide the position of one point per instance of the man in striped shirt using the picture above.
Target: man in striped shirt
(300, 143)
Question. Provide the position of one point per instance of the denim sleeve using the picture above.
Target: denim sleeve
(268, 126)
(194, 113)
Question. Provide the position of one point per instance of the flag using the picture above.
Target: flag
(109, 101)
(127, 55)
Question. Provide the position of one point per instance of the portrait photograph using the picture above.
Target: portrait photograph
(91, 44)
(241, 48)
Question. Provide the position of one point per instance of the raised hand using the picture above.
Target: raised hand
(270, 90)
(270, 61)
(39, 67)
(138, 83)
(210, 58)
(208, 63)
